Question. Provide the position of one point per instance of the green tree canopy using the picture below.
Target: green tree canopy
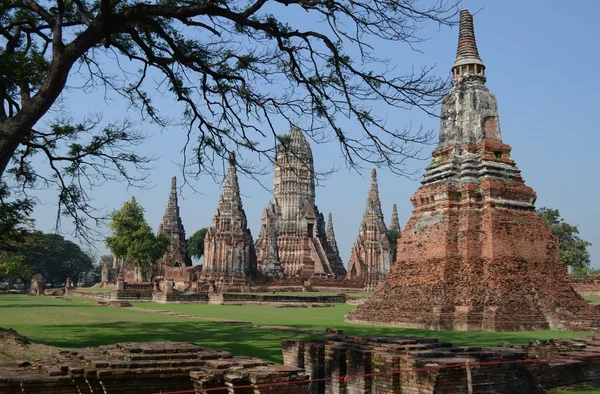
(55, 257)
(236, 68)
(393, 236)
(133, 239)
(106, 259)
(15, 223)
(196, 243)
(572, 249)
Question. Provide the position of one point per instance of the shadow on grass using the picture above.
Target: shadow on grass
(322, 318)
(240, 340)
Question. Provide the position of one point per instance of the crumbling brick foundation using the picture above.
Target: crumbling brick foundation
(410, 365)
(142, 368)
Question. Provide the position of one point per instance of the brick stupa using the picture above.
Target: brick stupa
(177, 255)
(293, 240)
(228, 246)
(475, 255)
(395, 223)
(371, 254)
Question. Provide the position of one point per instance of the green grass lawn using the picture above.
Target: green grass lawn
(594, 299)
(77, 323)
(322, 318)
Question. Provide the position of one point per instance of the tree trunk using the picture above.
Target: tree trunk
(10, 138)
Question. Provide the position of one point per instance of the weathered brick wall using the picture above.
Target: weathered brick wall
(469, 265)
(588, 285)
(141, 368)
(247, 298)
(425, 366)
(184, 277)
(179, 298)
(353, 284)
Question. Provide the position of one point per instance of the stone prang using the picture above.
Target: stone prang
(395, 223)
(475, 255)
(177, 255)
(292, 226)
(371, 255)
(333, 253)
(228, 245)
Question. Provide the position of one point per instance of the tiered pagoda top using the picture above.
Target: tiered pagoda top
(171, 221)
(228, 246)
(373, 216)
(467, 60)
(395, 223)
(333, 248)
(294, 184)
(171, 224)
(230, 214)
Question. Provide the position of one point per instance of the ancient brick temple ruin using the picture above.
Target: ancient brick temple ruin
(293, 240)
(371, 256)
(228, 246)
(395, 223)
(177, 255)
(333, 253)
(475, 255)
(175, 264)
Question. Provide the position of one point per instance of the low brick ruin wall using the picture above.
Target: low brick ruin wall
(335, 284)
(266, 299)
(408, 365)
(99, 295)
(588, 285)
(184, 277)
(123, 295)
(298, 284)
(180, 298)
(142, 368)
(338, 365)
(211, 298)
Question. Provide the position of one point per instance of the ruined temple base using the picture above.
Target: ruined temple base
(411, 365)
(223, 283)
(466, 264)
(149, 368)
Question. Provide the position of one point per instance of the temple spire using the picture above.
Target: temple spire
(177, 254)
(331, 234)
(231, 187)
(228, 246)
(395, 223)
(371, 255)
(373, 202)
(171, 221)
(467, 60)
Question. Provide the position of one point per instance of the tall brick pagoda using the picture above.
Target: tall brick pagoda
(395, 223)
(333, 253)
(228, 246)
(475, 255)
(371, 255)
(293, 231)
(177, 255)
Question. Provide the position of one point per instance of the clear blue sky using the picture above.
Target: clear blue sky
(542, 61)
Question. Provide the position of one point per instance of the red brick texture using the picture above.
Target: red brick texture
(477, 258)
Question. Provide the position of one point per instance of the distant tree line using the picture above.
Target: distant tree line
(50, 255)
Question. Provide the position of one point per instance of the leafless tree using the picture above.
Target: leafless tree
(235, 67)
